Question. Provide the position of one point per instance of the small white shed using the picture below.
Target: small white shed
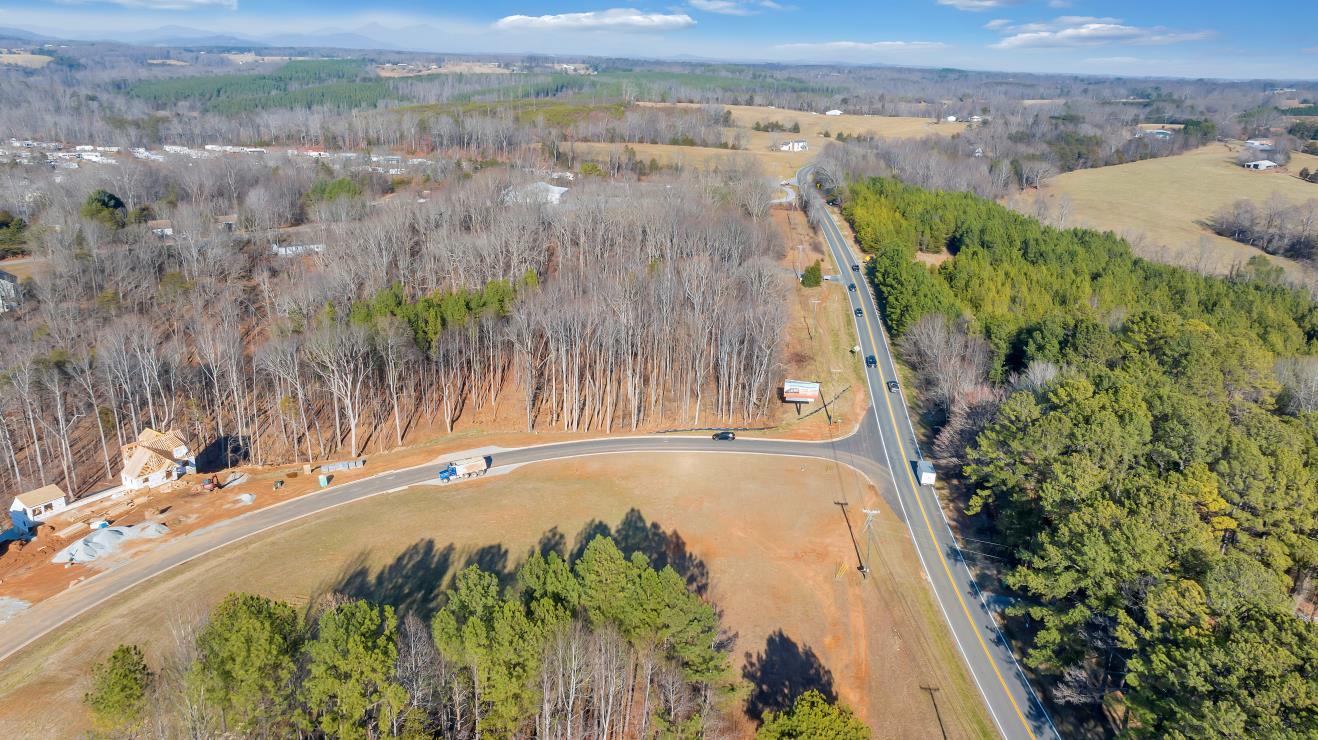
(1260, 164)
(35, 505)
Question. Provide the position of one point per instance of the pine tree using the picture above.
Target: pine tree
(119, 690)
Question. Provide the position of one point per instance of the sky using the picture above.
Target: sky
(1179, 38)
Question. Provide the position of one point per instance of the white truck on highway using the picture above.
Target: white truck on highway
(467, 467)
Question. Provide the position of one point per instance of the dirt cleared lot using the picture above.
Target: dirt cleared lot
(1166, 201)
(774, 546)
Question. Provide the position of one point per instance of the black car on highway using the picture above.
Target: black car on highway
(855, 268)
(860, 312)
(851, 287)
(892, 386)
(723, 436)
(870, 361)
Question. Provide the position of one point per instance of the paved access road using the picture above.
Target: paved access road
(49, 614)
(1011, 700)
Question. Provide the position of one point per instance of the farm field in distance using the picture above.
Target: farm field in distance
(1166, 201)
(758, 143)
(780, 565)
(33, 61)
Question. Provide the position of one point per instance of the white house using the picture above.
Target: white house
(1259, 143)
(8, 291)
(798, 145)
(161, 227)
(536, 192)
(293, 250)
(156, 457)
(833, 112)
(1261, 164)
(35, 505)
(950, 119)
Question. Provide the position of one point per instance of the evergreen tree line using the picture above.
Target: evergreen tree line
(1144, 444)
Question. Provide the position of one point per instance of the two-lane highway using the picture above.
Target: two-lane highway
(1011, 699)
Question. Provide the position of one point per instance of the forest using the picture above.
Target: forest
(1142, 440)
(607, 645)
(643, 304)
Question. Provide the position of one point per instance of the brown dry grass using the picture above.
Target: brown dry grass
(761, 145)
(819, 338)
(21, 267)
(31, 61)
(447, 68)
(1161, 204)
(776, 547)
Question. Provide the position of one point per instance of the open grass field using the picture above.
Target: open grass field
(32, 61)
(775, 548)
(21, 267)
(759, 144)
(813, 125)
(1161, 204)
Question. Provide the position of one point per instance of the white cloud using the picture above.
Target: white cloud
(997, 23)
(170, 4)
(616, 19)
(975, 6)
(1077, 30)
(736, 7)
(723, 7)
(1059, 3)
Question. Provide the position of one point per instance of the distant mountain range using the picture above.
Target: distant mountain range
(18, 33)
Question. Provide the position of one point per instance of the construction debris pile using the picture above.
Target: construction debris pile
(106, 541)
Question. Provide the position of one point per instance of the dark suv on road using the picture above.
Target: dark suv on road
(723, 436)
(870, 361)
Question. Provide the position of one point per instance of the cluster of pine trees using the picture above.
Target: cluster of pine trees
(608, 646)
(597, 644)
(1149, 456)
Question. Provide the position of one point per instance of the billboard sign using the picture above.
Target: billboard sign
(800, 391)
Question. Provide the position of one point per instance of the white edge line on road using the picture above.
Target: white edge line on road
(874, 407)
(1006, 645)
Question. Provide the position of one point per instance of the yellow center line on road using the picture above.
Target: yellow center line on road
(915, 486)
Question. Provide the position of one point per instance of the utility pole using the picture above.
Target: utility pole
(864, 571)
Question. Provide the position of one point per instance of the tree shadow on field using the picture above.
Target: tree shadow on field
(416, 579)
(634, 534)
(781, 672)
(413, 582)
